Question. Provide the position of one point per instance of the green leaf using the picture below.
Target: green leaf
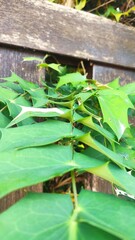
(51, 217)
(28, 166)
(83, 96)
(38, 134)
(32, 59)
(114, 105)
(88, 121)
(12, 86)
(128, 88)
(85, 162)
(4, 121)
(100, 166)
(53, 66)
(25, 164)
(73, 78)
(108, 213)
(15, 108)
(116, 158)
(81, 4)
(68, 104)
(39, 98)
(43, 218)
(112, 12)
(7, 94)
(115, 83)
(26, 112)
(24, 158)
(23, 83)
(115, 175)
(127, 151)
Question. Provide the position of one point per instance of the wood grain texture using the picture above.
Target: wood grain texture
(58, 29)
(101, 185)
(11, 60)
(106, 74)
(13, 197)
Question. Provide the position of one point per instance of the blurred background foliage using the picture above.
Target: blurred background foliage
(118, 10)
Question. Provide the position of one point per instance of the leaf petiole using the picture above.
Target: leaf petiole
(74, 188)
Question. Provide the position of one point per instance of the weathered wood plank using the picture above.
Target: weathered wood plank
(57, 29)
(106, 74)
(13, 197)
(101, 185)
(11, 60)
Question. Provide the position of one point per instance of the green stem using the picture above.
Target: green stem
(3, 108)
(74, 188)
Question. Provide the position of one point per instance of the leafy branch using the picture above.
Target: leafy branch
(81, 130)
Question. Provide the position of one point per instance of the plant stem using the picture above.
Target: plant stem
(3, 108)
(74, 188)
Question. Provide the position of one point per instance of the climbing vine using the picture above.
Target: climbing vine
(84, 127)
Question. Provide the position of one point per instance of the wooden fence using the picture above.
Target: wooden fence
(34, 28)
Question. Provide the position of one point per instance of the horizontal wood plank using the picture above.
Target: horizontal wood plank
(11, 60)
(53, 28)
(107, 74)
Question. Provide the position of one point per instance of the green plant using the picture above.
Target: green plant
(121, 11)
(84, 127)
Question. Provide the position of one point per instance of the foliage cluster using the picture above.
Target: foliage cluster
(122, 11)
(84, 128)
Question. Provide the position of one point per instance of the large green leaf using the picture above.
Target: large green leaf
(115, 175)
(51, 217)
(109, 213)
(73, 78)
(23, 83)
(7, 94)
(116, 158)
(114, 105)
(25, 160)
(24, 164)
(28, 166)
(38, 134)
(100, 166)
(39, 217)
(26, 112)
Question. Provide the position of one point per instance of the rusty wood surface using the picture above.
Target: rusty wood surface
(58, 29)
